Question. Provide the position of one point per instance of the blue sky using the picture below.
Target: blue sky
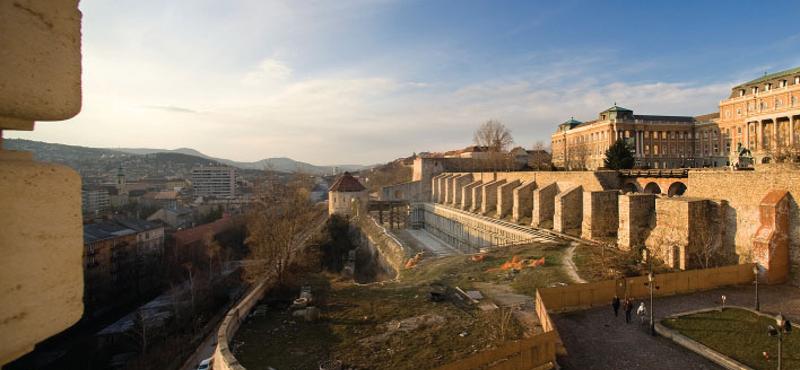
(367, 81)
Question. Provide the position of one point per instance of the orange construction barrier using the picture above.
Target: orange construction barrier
(479, 257)
(412, 262)
(517, 264)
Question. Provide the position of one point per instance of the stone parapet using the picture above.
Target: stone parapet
(600, 214)
(489, 199)
(458, 188)
(505, 198)
(544, 204)
(467, 195)
(568, 209)
(636, 219)
(523, 201)
(771, 240)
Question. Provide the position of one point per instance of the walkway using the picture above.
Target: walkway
(569, 266)
(595, 339)
(422, 239)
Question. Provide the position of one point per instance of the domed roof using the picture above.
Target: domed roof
(346, 183)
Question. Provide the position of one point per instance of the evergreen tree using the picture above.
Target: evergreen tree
(618, 156)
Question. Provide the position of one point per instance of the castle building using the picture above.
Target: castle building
(343, 193)
(761, 115)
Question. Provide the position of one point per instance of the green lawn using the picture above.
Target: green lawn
(741, 335)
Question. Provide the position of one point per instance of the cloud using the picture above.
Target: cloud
(171, 108)
(268, 71)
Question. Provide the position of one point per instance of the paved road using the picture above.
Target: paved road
(595, 339)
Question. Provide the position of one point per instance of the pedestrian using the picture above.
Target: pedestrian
(642, 312)
(615, 305)
(628, 308)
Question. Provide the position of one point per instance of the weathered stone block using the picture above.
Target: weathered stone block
(489, 200)
(458, 188)
(771, 240)
(636, 219)
(41, 272)
(544, 204)
(505, 198)
(40, 63)
(600, 214)
(568, 212)
(467, 195)
(523, 201)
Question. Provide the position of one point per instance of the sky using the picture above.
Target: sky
(367, 81)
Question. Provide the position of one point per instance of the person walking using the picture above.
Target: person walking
(628, 308)
(615, 305)
(642, 312)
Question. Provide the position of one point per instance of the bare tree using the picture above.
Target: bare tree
(578, 156)
(212, 250)
(281, 212)
(494, 136)
(541, 156)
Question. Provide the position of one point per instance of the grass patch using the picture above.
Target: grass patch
(741, 335)
(461, 271)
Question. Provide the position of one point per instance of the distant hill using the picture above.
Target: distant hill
(153, 162)
(282, 164)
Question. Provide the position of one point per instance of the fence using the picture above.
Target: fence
(601, 292)
(522, 355)
(223, 357)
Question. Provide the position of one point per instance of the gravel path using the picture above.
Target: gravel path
(570, 266)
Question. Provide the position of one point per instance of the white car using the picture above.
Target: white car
(206, 364)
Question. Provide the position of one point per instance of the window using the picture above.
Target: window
(739, 111)
(749, 107)
(783, 83)
(752, 128)
(741, 92)
(739, 130)
(794, 100)
(727, 113)
(768, 87)
(764, 105)
(680, 135)
(755, 89)
(778, 103)
(716, 148)
(797, 80)
(672, 135)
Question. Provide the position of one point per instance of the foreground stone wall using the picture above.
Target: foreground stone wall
(744, 191)
(523, 201)
(41, 240)
(568, 212)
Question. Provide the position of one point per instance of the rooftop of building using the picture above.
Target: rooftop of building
(346, 183)
(137, 224)
(196, 234)
(104, 230)
(770, 76)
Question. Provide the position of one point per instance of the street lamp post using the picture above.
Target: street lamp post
(651, 279)
(784, 327)
(755, 276)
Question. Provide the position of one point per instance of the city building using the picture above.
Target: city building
(219, 181)
(160, 198)
(760, 115)
(105, 257)
(343, 193)
(94, 198)
(149, 235)
(177, 217)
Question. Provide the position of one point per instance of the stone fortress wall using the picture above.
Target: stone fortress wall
(748, 216)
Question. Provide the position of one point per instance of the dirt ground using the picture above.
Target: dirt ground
(395, 325)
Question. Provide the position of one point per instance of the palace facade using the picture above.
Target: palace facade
(762, 115)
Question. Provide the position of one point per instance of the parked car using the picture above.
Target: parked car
(206, 364)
